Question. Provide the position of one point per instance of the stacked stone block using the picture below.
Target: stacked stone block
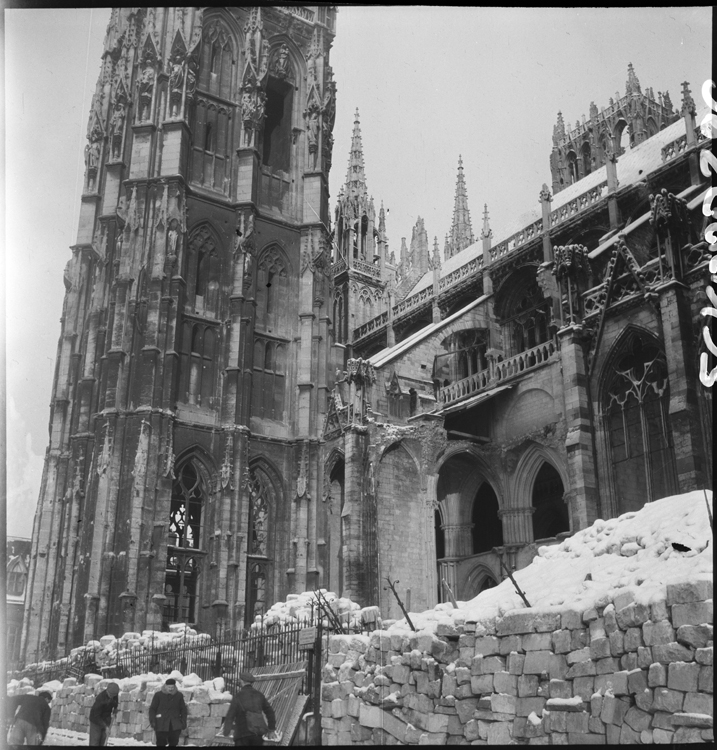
(622, 672)
(206, 708)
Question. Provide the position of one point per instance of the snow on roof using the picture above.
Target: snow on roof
(389, 353)
(634, 165)
(633, 552)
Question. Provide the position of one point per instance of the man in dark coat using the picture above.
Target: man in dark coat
(32, 718)
(248, 700)
(168, 714)
(103, 708)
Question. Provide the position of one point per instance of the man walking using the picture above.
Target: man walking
(168, 714)
(246, 714)
(101, 713)
(32, 718)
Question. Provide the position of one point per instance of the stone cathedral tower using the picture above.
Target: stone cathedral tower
(181, 479)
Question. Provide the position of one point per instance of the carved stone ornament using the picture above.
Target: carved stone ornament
(227, 470)
(168, 468)
(302, 479)
(140, 458)
(106, 452)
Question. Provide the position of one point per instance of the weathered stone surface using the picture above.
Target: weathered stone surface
(510, 643)
(527, 686)
(607, 666)
(493, 664)
(692, 720)
(661, 736)
(698, 703)
(558, 667)
(617, 643)
(632, 615)
(515, 663)
(536, 641)
(654, 633)
(526, 706)
(471, 730)
(613, 710)
(581, 669)
(672, 652)
(571, 620)
(694, 636)
(637, 719)
(693, 613)
(482, 684)
(503, 682)
(683, 735)
(704, 655)
(667, 700)
(584, 687)
(561, 689)
(682, 676)
(502, 703)
(487, 645)
(628, 736)
(516, 622)
(692, 591)
(465, 708)
(657, 675)
(706, 681)
(633, 639)
(537, 662)
(578, 722)
(499, 734)
(599, 648)
(561, 641)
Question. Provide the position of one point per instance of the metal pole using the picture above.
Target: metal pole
(317, 684)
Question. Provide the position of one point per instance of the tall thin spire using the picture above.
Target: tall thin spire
(461, 231)
(355, 176)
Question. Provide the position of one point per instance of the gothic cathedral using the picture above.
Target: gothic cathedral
(254, 397)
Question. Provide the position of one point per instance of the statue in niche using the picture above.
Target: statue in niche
(281, 66)
(313, 131)
(146, 90)
(92, 159)
(176, 82)
(172, 237)
(117, 129)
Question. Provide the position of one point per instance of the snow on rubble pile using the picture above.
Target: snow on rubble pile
(108, 648)
(298, 608)
(633, 551)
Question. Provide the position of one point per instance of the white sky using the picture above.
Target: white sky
(430, 83)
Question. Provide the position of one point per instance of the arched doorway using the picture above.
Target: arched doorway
(487, 526)
(550, 516)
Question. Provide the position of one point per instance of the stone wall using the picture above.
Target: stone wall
(624, 672)
(206, 707)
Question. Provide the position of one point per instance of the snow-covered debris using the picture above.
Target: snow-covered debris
(298, 607)
(632, 553)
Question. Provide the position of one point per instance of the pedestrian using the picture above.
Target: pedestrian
(31, 718)
(246, 714)
(101, 714)
(168, 714)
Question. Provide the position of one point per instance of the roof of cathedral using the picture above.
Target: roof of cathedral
(391, 352)
(632, 167)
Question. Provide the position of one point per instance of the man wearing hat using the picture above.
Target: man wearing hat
(246, 714)
(168, 714)
(101, 713)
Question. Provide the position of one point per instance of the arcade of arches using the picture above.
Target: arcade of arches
(474, 530)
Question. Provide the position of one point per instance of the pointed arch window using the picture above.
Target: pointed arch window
(276, 153)
(184, 540)
(198, 356)
(262, 501)
(550, 516)
(272, 289)
(269, 379)
(635, 408)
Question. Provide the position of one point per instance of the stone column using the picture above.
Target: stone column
(684, 407)
(517, 525)
(580, 438)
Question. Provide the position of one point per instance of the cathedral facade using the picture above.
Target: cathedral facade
(255, 397)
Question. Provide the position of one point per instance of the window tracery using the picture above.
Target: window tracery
(635, 405)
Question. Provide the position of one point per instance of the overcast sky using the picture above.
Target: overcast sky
(430, 84)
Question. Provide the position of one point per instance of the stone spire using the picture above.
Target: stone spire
(632, 86)
(355, 176)
(486, 232)
(461, 231)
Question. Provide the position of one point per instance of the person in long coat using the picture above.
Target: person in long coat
(248, 700)
(101, 713)
(31, 718)
(168, 714)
